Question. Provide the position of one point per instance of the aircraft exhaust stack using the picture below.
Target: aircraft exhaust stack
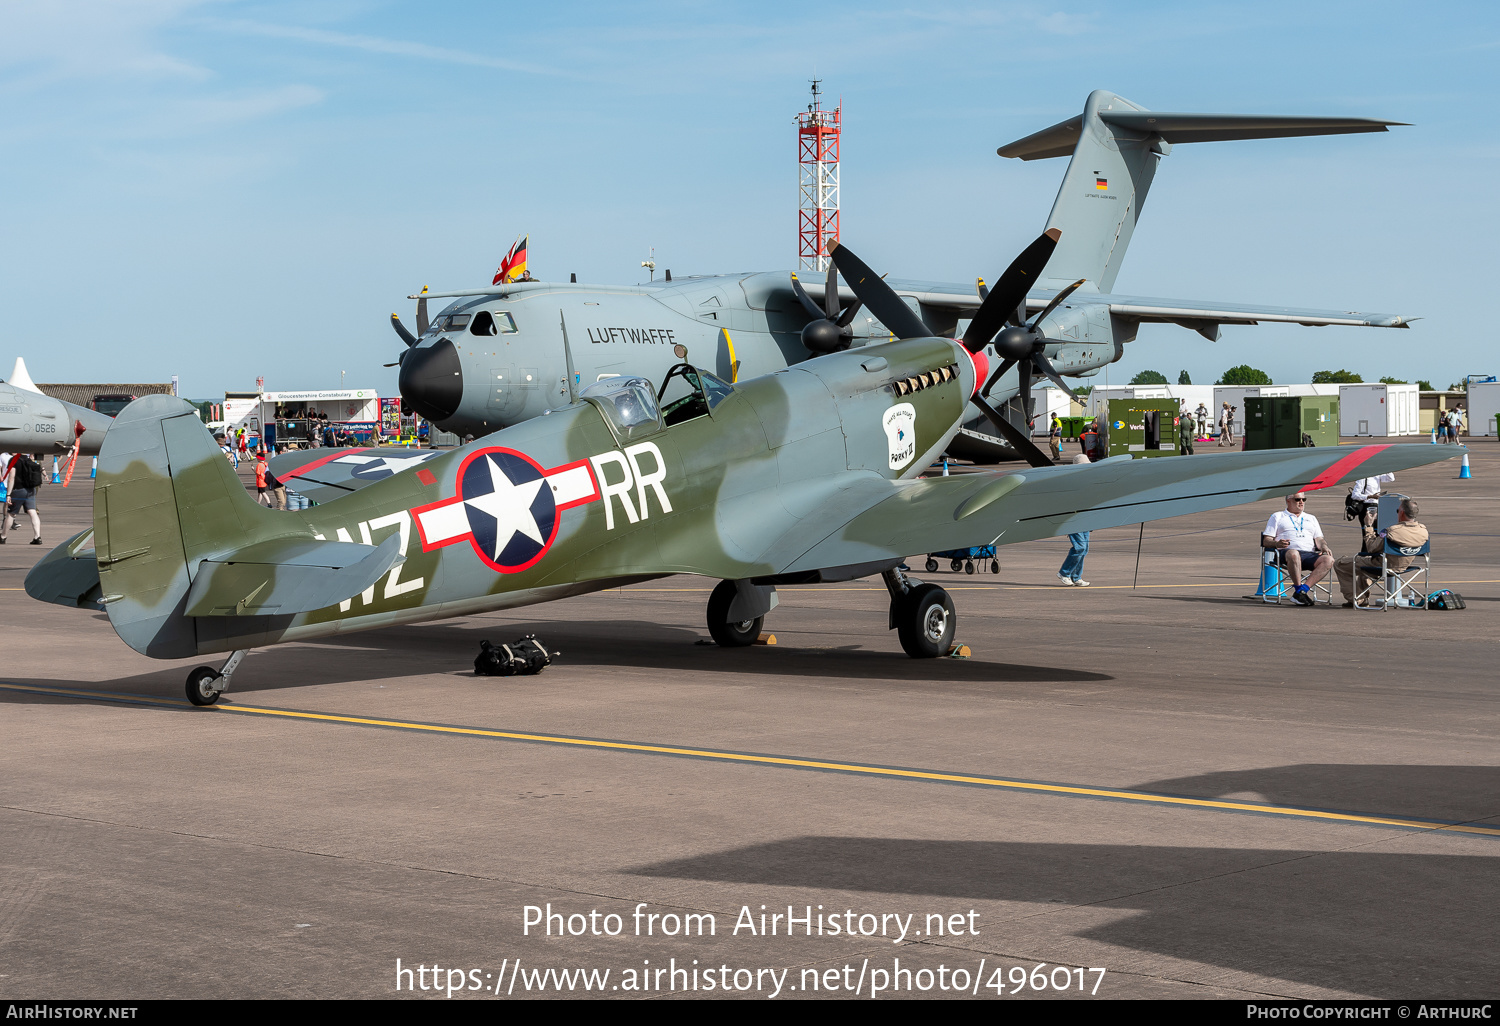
(1116, 146)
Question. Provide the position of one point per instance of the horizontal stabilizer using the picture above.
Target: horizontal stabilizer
(68, 575)
(288, 575)
(1172, 127)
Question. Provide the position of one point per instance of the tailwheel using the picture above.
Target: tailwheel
(925, 621)
(730, 634)
(204, 686)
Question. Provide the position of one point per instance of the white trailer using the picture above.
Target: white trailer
(1051, 400)
(1189, 395)
(1235, 396)
(1483, 405)
(1379, 411)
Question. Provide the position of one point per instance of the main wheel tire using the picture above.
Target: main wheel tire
(200, 689)
(925, 622)
(727, 634)
(931, 565)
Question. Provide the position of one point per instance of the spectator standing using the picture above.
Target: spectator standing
(1202, 414)
(22, 479)
(1054, 437)
(1185, 435)
(1071, 572)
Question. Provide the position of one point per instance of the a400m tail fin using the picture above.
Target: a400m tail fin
(1116, 145)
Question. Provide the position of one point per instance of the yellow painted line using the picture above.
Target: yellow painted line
(862, 769)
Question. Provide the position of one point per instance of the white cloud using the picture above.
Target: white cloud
(43, 41)
(377, 44)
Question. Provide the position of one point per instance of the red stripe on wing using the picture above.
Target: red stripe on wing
(1331, 476)
(315, 464)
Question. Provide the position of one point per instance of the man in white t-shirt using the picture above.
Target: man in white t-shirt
(1296, 535)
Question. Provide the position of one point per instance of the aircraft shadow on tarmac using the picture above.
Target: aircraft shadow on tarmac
(1371, 923)
(1452, 793)
(450, 648)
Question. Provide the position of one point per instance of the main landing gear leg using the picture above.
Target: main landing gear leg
(921, 614)
(736, 610)
(205, 684)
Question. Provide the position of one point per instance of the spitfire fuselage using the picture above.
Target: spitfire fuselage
(572, 501)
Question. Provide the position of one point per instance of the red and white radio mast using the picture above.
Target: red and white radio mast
(818, 182)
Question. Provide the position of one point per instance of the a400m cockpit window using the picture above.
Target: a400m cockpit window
(497, 322)
(629, 404)
(453, 322)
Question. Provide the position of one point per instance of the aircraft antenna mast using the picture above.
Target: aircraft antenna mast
(818, 181)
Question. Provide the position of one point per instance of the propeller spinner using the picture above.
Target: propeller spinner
(829, 331)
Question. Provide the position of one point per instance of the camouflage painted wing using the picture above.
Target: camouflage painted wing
(934, 514)
(325, 474)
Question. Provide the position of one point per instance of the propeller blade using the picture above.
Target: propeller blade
(831, 293)
(847, 317)
(406, 336)
(812, 308)
(1010, 291)
(422, 322)
(982, 289)
(1045, 366)
(1017, 438)
(1057, 299)
(1004, 366)
(878, 297)
(1026, 388)
(396, 364)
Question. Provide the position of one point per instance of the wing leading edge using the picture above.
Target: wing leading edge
(934, 514)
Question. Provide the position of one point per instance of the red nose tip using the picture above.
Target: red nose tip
(981, 369)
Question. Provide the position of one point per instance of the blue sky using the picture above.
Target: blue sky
(222, 190)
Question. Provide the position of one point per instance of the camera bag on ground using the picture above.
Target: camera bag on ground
(520, 658)
(1446, 599)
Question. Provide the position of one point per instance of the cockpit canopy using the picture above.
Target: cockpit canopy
(629, 404)
(635, 408)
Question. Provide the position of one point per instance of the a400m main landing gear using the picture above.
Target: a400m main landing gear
(921, 614)
(205, 684)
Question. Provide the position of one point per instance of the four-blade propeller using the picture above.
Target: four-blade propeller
(1009, 293)
(829, 331)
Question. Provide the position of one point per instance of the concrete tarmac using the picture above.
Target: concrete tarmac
(1336, 831)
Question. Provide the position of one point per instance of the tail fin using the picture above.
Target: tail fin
(181, 546)
(1116, 145)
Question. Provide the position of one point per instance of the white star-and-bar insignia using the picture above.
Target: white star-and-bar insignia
(509, 505)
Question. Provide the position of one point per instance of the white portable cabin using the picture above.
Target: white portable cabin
(1483, 405)
(1052, 400)
(1379, 411)
(1235, 395)
(1189, 395)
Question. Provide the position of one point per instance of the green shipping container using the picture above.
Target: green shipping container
(1280, 422)
(1143, 427)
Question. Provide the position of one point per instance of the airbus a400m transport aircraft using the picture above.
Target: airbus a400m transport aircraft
(494, 357)
(803, 476)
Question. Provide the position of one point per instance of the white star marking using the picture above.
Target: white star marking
(510, 505)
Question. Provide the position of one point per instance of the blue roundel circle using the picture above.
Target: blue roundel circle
(510, 507)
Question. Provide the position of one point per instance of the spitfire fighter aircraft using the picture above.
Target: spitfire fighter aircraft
(494, 356)
(34, 423)
(798, 477)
